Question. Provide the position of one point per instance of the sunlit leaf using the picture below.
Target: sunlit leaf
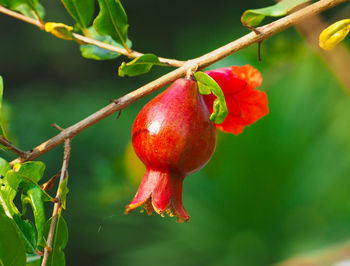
(59, 242)
(334, 34)
(138, 66)
(81, 11)
(112, 20)
(206, 84)
(254, 17)
(12, 250)
(94, 52)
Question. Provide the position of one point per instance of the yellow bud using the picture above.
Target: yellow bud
(60, 30)
(334, 34)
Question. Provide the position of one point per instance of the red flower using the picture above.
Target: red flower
(245, 104)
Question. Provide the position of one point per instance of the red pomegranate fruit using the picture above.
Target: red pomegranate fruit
(174, 137)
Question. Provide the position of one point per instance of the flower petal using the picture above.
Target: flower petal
(248, 73)
(245, 104)
(253, 105)
(232, 124)
(228, 82)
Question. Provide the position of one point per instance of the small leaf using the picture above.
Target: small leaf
(60, 30)
(334, 34)
(12, 250)
(35, 11)
(206, 83)
(94, 52)
(112, 20)
(63, 191)
(254, 17)
(81, 11)
(59, 242)
(29, 8)
(139, 65)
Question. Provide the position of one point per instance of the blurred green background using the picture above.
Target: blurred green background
(280, 189)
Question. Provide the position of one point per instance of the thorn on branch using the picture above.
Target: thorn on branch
(257, 32)
(119, 114)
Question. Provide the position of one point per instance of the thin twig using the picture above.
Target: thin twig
(202, 62)
(57, 205)
(54, 125)
(13, 148)
(127, 52)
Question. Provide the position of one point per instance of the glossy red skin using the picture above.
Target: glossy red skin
(174, 137)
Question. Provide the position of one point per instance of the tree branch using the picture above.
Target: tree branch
(4, 141)
(200, 62)
(57, 206)
(128, 53)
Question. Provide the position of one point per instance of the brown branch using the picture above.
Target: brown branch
(127, 52)
(202, 62)
(13, 148)
(57, 205)
(131, 54)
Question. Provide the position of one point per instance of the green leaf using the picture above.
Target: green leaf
(2, 131)
(12, 250)
(63, 191)
(29, 8)
(33, 260)
(34, 10)
(94, 52)
(112, 21)
(138, 66)
(334, 34)
(1, 90)
(25, 177)
(59, 242)
(28, 233)
(31, 170)
(81, 11)
(206, 85)
(7, 195)
(254, 17)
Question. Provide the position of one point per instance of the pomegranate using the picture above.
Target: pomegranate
(174, 137)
